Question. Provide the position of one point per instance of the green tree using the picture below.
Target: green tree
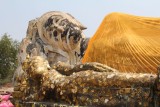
(8, 56)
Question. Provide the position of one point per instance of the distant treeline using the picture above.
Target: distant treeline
(8, 57)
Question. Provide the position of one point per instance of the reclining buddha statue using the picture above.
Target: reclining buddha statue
(116, 67)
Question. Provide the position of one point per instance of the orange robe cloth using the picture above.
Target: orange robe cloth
(127, 43)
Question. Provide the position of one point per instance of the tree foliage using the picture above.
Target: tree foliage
(8, 56)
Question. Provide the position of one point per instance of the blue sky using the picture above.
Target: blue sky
(15, 14)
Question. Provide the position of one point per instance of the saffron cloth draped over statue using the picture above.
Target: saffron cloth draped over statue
(127, 43)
